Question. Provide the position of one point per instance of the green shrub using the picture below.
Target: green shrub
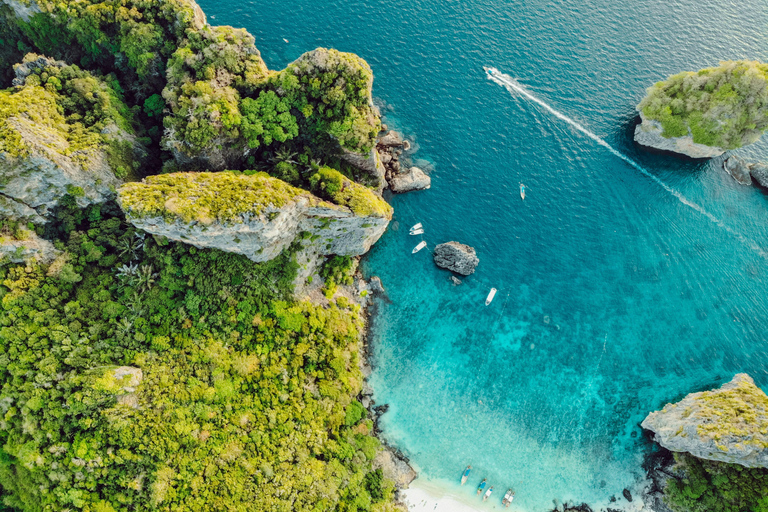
(706, 485)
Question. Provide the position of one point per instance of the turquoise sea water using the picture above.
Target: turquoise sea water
(615, 296)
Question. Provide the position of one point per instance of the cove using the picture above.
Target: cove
(614, 296)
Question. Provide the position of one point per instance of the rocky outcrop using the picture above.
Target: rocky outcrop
(31, 248)
(257, 216)
(395, 467)
(729, 424)
(744, 172)
(649, 134)
(456, 257)
(371, 164)
(414, 179)
(738, 169)
(23, 10)
(39, 160)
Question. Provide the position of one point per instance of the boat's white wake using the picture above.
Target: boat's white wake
(514, 87)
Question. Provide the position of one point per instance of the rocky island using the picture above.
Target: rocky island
(703, 114)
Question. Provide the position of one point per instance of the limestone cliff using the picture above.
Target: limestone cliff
(45, 153)
(257, 216)
(729, 424)
(649, 134)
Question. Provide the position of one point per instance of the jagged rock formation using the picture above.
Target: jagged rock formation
(414, 179)
(729, 424)
(456, 257)
(743, 171)
(40, 160)
(371, 164)
(738, 169)
(257, 216)
(649, 134)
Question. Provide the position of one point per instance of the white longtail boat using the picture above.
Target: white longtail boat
(419, 247)
(490, 297)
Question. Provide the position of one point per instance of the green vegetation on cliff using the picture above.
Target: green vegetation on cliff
(206, 197)
(246, 401)
(725, 106)
(331, 184)
(706, 486)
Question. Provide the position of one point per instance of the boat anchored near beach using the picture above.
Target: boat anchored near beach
(419, 247)
(490, 296)
(465, 475)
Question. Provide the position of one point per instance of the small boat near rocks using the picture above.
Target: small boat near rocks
(417, 232)
(419, 247)
(416, 226)
(490, 296)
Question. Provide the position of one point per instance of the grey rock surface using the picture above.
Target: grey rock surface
(33, 248)
(648, 134)
(456, 257)
(394, 468)
(372, 164)
(738, 169)
(729, 424)
(332, 229)
(759, 172)
(414, 179)
(391, 139)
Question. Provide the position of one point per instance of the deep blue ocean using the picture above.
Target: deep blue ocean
(616, 295)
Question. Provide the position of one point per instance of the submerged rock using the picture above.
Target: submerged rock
(649, 134)
(729, 424)
(738, 169)
(414, 179)
(456, 257)
(257, 216)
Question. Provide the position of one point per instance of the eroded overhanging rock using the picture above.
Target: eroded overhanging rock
(729, 424)
(649, 134)
(32, 247)
(256, 216)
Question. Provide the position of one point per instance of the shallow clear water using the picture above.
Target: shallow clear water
(614, 295)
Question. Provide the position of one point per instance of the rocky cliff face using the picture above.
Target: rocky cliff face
(44, 155)
(649, 134)
(729, 424)
(257, 216)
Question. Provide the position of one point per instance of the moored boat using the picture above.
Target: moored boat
(417, 232)
(490, 296)
(465, 475)
(419, 247)
(416, 226)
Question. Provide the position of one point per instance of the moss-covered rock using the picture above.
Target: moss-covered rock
(257, 216)
(62, 130)
(703, 114)
(729, 424)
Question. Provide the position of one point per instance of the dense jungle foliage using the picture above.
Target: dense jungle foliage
(707, 486)
(246, 400)
(726, 106)
(237, 397)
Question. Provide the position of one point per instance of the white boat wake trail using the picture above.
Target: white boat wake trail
(513, 86)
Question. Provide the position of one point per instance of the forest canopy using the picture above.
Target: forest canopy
(724, 106)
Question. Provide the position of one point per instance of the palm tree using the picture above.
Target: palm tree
(284, 155)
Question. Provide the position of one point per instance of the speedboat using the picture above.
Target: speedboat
(417, 232)
(490, 71)
(419, 247)
(522, 191)
(416, 226)
(490, 297)
(465, 475)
